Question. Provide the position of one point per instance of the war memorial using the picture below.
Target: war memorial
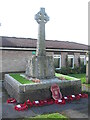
(40, 67)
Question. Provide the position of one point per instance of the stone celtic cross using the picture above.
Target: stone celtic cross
(42, 18)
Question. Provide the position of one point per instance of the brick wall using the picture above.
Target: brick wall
(63, 59)
(15, 60)
(76, 56)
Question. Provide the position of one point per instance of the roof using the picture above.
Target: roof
(32, 43)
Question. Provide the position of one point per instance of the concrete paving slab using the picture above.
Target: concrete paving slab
(60, 108)
(9, 112)
(75, 114)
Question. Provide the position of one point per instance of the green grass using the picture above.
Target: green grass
(82, 77)
(53, 115)
(65, 76)
(87, 85)
(20, 79)
(48, 116)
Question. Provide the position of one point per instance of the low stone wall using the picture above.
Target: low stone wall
(39, 91)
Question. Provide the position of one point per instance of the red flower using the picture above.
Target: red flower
(44, 102)
(69, 98)
(37, 103)
(29, 103)
(21, 107)
(50, 101)
(72, 97)
(11, 100)
(77, 97)
(62, 101)
(83, 95)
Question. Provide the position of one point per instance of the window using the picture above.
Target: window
(71, 61)
(57, 61)
(83, 59)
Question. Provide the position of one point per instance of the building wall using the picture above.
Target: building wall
(63, 58)
(76, 56)
(15, 61)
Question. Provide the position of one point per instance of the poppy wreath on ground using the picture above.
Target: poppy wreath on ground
(67, 98)
(11, 100)
(50, 101)
(21, 107)
(29, 103)
(45, 102)
(42, 102)
(37, 103)
(83, 95)
(62, 101)
(77, 97)
(72, 97)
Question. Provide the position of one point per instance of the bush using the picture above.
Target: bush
(83, 69)
(64, 70)
(69, 70)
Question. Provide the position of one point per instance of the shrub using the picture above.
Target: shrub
(83, 69)
(69, 70)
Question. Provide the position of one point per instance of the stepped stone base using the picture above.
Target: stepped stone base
(40, 67)
(39, 91)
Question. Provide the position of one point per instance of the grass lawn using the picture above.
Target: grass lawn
(82, 77)
(48, 116)
(20, 79)
(65, 76)
(88, 85)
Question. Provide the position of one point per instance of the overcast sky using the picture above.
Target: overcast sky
(68, 19)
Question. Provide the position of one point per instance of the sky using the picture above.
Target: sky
(68, 19)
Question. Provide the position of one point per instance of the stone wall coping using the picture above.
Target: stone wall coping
(12, 82)
(48, 84)
(44, 84)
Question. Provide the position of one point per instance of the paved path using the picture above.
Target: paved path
(75, 109)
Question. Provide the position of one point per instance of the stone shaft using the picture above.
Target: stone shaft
(41, 18)
(41, 48)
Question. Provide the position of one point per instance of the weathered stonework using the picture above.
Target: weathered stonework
(42, 18)
(39, 91)
(40, 67)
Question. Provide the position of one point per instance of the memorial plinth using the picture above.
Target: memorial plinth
(40, 67)
(39, 91)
